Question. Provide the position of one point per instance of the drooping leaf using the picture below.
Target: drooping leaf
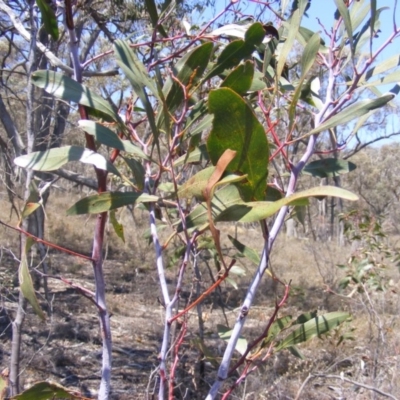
(152, 10)
(309, 54)
(236, 127)
(107, 137)
(106, 201)
(50, 160)
(240, 79)
(138, 171)
(25, 282)
(136, 72)
(344, 12)
(292, 27)
(225, 334)
(118, 227)
(314, 327)
(307, 61)
(48, 391)
(49, 18)
(356, 110)
(238, 50)
(68, 89)
(259, 210)
(248, 252)
(329, 167)
(372, 22)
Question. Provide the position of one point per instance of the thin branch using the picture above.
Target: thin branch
(342, 378)
(54, 60)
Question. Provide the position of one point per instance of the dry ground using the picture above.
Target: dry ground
(67, 347)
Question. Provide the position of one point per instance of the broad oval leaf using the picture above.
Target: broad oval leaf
(314, 327)
(106, 201)
(238, 50)
(107, 137)
(240, 79)
(236, 127)
(188, 70)
(329, 167)
(68, 89)
(50, 160)
(259, 210)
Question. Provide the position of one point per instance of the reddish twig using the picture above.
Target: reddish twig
(46, 243)
(178, 344)
(205, 294)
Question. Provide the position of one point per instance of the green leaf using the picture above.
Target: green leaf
(303, 318)
(188, 70)
(382, 67)
(259, 210)
(310, 54)
(198, 218)
(47, 391)
(106, 201)
(238, 50)
(356, 110)
(138, 171)
(199, 154)
(372, 22)
(225, 334)
(240, 79)
(305, 34)
(292, 26)
(307, 61)
(329, 167)
(136, 72)
(344, 12)
(49, 18)
(68, 89)
(314, 327)
(109, 138)
(393, 77)
(50, 160)
(248, 252)
(152, 10)
(26, 284)
(118, 227)
(195, 185)
(236, 127)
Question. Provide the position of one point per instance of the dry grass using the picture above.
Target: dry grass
(69, 344)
